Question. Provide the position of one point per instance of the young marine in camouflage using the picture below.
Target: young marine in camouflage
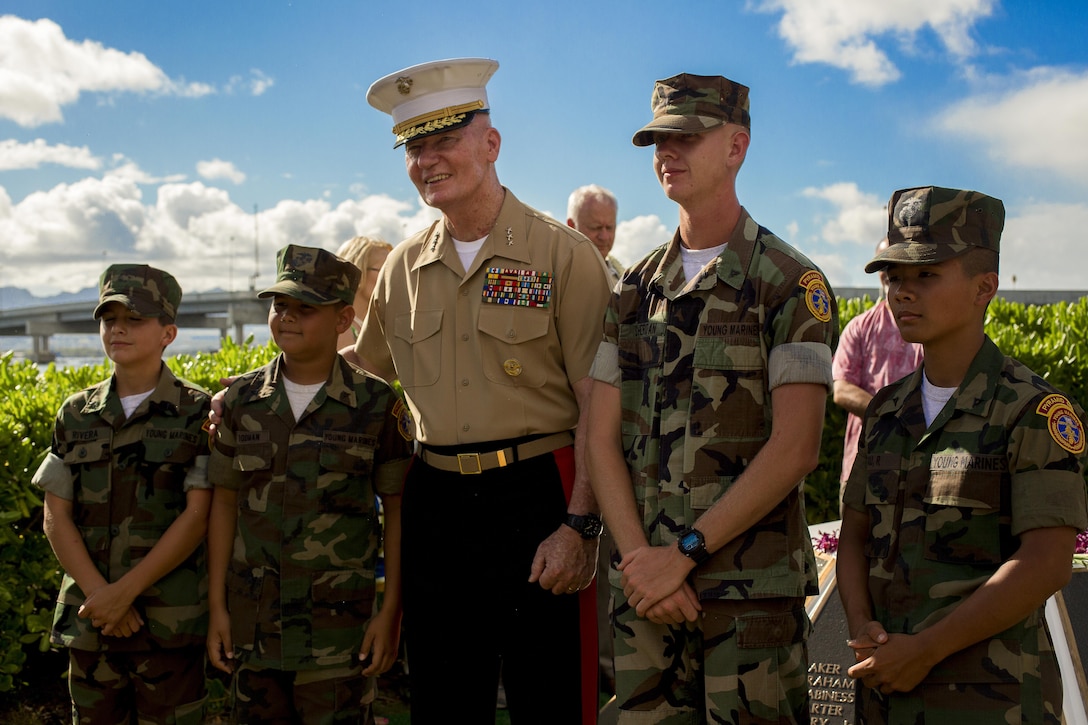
(960, 517)
(126, 511)
(693, 369)
(295, 532)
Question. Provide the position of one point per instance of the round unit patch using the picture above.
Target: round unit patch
(1064, 425)
(817, 298)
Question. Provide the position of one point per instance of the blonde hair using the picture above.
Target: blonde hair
(357, 250)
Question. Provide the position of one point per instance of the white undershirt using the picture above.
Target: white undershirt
(300, 396)
(933, 399)
(696, 260)
(467, 250)
(130, 403)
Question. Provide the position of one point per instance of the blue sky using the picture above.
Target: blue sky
(135, 131)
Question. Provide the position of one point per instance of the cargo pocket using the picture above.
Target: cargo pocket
(342, 604)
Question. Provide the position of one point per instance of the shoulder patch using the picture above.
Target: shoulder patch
(405, 426)
(1064, 425)
(817, 298)
(206, 426)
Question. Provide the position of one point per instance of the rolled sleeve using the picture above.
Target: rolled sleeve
(800, 362)
(53, 476)
(606, 364)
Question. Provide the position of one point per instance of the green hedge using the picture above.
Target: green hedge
(1051, 339)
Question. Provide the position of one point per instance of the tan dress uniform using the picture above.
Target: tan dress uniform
(487, 358)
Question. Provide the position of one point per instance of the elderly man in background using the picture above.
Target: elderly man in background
(591, 209)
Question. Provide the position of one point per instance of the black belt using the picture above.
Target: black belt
(478, 462)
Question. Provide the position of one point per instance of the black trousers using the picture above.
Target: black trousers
(468, 544)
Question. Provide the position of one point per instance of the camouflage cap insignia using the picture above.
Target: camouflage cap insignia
(1065, 427)
(817, 298)
(405, 426)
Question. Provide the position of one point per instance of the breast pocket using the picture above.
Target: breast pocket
(963, 517)
(641, 360)
(880, 493)
(253, 458)
(728, 390)
(510, 339)
(417, 347)
(343, 486)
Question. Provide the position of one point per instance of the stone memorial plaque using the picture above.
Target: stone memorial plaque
(1067, 617)
(831, 690)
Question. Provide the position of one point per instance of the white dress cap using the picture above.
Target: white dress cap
(432, 97)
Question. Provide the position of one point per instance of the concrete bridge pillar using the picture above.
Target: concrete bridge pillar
(41, 352)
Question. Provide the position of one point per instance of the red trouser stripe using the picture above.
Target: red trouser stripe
(587, 606)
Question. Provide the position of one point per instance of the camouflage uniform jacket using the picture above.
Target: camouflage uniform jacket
(947, 504)
(301, 583)
(697, 364)
(127, 476)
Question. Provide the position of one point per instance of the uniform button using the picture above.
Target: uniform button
(82, 452)
(464, 293)
(464, 337)
(511, 334)
(115, 530)
(465, 427)
(168, 452)
(464, 382)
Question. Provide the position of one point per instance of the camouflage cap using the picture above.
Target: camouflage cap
(930, 224)
(313, 275)
(147, 291)
(691, 104)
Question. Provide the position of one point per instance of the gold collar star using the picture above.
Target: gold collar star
(509, 236)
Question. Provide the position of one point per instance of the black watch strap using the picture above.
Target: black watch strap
(588, 526)
(692, 544)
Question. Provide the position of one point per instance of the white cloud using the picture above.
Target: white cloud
(256, 85)
(1038, 120)
(636, 237)
(219, 169)
(42, 71)
(859, 218)
(1043, 246)
(61, 239)
(15, 155)
(844, 33)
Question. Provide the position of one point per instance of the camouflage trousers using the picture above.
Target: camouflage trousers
(740, 662)
(162, 686)
(314, 697)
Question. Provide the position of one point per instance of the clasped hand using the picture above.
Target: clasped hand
(654, 580)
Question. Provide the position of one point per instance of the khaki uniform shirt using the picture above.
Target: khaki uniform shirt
(492, 354)
(947, 504)
(695, 364)
(127, 479)
(301, 583)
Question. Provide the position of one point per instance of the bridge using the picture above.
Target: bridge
(225, 311)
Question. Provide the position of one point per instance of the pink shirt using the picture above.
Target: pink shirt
(871, 354)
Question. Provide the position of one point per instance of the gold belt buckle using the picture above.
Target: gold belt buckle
(473, 459)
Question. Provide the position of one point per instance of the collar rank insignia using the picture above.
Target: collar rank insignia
(509, 237)
(520, 287)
